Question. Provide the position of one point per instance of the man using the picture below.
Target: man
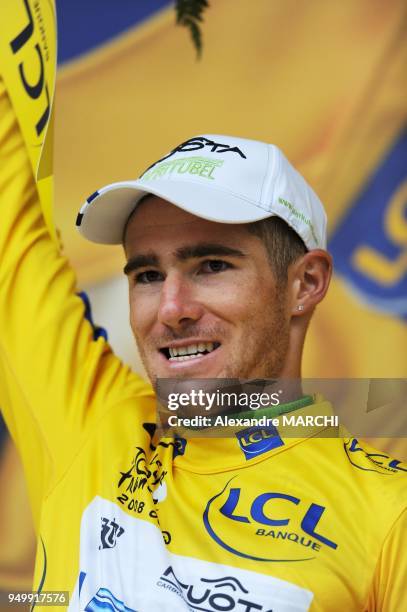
(217, 187)
(127, 521)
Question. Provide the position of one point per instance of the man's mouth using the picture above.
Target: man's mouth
(188, 352)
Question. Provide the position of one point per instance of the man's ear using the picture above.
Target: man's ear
(310, 276)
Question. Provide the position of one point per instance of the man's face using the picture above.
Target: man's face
(204, 302)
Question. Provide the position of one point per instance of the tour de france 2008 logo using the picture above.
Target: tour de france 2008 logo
(370, 245)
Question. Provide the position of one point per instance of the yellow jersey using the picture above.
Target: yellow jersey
(126, 522)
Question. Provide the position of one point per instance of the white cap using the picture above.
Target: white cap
(219, 178)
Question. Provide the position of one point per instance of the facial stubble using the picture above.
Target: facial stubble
(265, 347)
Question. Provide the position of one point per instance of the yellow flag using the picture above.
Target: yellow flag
(28, 66)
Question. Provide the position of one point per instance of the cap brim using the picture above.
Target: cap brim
(103, 218)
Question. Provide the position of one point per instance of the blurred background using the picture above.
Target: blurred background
(325, 81)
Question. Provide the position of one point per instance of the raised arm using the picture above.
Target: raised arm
(56, 381)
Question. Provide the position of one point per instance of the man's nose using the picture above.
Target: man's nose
(179, 305)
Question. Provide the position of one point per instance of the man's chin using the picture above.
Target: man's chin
(186, 376)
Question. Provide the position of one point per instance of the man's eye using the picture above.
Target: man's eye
(215, 265)
(149, 276)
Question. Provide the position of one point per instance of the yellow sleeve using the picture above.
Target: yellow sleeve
(389, 588)
(56, 381)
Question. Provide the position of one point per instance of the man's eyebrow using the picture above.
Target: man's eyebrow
(141, 261)
(205, 249)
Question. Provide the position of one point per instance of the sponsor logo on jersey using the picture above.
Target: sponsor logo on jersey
(110, 532)
(377, 462)
(212, 594)
(255, 441)
(294, 528)
(106, 601)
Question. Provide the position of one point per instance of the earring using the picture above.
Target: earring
(300, 307)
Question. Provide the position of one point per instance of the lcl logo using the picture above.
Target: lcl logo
(39, 87)
(270, 513)
(309, 522)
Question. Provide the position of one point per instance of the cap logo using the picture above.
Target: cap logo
(299, 215)
(195, 144)
(199, 166)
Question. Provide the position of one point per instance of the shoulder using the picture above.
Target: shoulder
(379, 478)
(366, 458)
(368, 481)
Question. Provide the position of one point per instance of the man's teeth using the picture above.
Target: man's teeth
(182, 353)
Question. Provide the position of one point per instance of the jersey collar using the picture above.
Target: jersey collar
(254, 444)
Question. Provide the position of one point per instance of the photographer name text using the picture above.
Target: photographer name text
(233, 421)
